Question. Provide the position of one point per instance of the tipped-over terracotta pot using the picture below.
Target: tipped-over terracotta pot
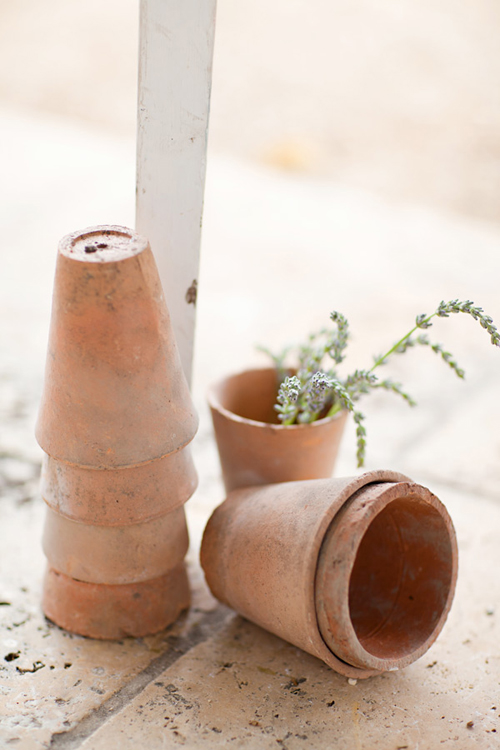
(254, 448)
(115, 420)
(359, 571)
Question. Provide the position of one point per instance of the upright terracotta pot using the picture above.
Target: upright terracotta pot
(359, 571)
(115, 421)
(254, 449)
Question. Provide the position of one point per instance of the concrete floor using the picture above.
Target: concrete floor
(278, 254)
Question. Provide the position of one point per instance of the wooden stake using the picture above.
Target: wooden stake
(175, 73)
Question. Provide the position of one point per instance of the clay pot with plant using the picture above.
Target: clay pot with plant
(285, 423)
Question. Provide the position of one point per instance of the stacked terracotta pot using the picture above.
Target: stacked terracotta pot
(115, 421)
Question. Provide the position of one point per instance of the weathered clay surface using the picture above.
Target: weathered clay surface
(115, 554)
(261, 550)
(254, 449)
(122, 495)
(386, 576)
(113, 612)
(115, 418)
(110, 404)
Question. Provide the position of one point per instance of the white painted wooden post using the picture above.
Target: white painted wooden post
(175, 73)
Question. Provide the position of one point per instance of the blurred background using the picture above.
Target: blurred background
(398, 96)
(354, 163)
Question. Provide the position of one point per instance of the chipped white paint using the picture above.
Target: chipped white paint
(175, 72)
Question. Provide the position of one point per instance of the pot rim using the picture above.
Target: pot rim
(68, 245)
(214, 403)
(350, 648)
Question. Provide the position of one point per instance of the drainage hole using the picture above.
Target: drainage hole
(96, 247)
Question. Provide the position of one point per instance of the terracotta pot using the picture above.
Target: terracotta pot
(113, 612)
(120, 496)
(254, 449)
(359, 572)
(115, 554)
(115, 394)
(115, 420)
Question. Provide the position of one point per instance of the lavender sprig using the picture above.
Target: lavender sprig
(305, 397)
(423, 340)
(445, 356)
(341, 400)
(362, 381)
(359, 383)
(324, 342)
(337, 343)
(443, 310)
(360, 437)
(390, 385)
(288, 394)
(310, 356)
(277, 359)
(315, 396)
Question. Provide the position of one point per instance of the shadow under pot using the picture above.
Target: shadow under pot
(359, 572)
(254, 448)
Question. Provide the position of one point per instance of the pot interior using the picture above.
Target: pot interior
(401, 579)
(251, 394)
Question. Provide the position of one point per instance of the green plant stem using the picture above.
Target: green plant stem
(303, 397)
(334, 409)
(381, 360)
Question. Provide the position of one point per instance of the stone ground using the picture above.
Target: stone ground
(314, 104)
(279, 252)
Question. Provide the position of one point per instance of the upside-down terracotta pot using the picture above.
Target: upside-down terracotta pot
(112, 612)
(115, 394)
(254, 448)
(115, 421)
(358, 571)
(120, 496)
(115, 554)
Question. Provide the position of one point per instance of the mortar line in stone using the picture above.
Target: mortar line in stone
(178, 647)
